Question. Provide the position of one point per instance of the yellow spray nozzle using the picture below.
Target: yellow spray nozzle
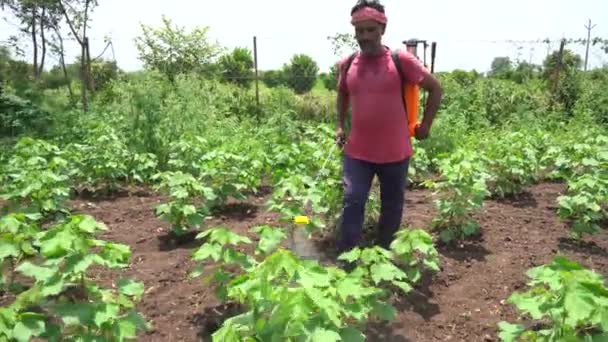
(301, 220)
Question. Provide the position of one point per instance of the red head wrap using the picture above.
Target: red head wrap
(368, 13)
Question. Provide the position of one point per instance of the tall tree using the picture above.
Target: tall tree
(172, 50)
(35, 16)
(76, 14)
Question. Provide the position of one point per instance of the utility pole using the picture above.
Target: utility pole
(589, 28)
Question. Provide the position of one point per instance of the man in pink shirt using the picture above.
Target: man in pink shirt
(379, 141)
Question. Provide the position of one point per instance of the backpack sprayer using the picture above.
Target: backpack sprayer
(411, 96)
(412, 91)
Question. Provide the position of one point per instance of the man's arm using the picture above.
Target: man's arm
(430, 83)
(415, 72)
(342, 102)
(342, 107)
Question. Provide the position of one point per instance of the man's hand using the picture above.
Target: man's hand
(422, 131)
(432, 86)
(340, 137)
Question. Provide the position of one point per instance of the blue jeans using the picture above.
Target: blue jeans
(357, 180)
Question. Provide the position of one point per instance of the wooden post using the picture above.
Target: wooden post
(257, 87)
(558, 66)
(433, 54)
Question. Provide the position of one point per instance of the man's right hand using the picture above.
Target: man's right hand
(340, 137)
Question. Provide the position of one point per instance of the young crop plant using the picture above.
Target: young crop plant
(576, 156)
(36, 179)
(190, 201)
(299, 195)
(289, 299)
(461, 190)
(585, 205)
(512, 163)
(63, 302)
(18, 233)
(566, 303)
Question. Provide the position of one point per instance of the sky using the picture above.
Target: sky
(469, 33)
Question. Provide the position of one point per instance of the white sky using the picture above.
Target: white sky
(469, 33)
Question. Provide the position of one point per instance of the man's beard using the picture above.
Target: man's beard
(368, 46)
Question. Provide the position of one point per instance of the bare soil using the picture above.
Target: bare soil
(463, 302)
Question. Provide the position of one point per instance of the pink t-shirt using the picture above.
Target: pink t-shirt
(379, 127)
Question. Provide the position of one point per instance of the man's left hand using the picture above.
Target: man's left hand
(422, 131)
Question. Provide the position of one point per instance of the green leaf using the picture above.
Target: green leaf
(510, 332)
(29, 325)
(384, 271)
(128, 326)
(208, 250)
(41, 274)
(106, 313)
(385, 311)
(351, 256)
(270, 238)
(76, 313)
(323, 335)
(88, 224)
(8, 248)
(352, 335)
(131, 288)
(403, 285)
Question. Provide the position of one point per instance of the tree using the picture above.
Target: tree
(343, 43)
(173, 51)
(36, 17)
(330, 80)
(273, 78)
(562, 70)
(13, 72)
(570, 62)
(525, 71)
(465, 78)
(237, 67)
(76, 14)
(301, 73)
(502, 67)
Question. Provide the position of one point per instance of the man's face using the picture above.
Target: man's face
(369, 35)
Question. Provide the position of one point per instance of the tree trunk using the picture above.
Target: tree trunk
(43, 57)
(34, 41)
(83, 77)
(63, 67)
(90, 80)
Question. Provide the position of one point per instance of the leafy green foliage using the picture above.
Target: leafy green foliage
(172, 51)
(461, 190)
(237, 67)
(68, 304)
(586, 203)
(291, 299)
(19, 116)
(301, 73)
(573, 302)
(36, 179)
(512, 163)
(183, 211)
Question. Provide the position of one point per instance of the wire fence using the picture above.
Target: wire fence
(273, 55)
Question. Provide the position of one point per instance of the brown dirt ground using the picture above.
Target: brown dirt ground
(463, 302)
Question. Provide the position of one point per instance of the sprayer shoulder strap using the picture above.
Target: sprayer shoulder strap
(397, 62)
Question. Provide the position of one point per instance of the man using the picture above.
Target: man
(379, 141)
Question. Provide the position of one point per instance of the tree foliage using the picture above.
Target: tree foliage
(301, 73)
(172, 50)
(564, 78)
(237, 67)
(273, 78)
